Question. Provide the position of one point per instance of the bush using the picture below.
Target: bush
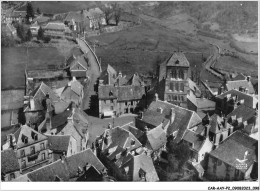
(46, 39)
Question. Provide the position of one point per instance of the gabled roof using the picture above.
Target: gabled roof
(108, 76)
(43, 88)
(183, 120)
(28, 132)
(126, 93)
(178, 59)
(9, 161)
(107, 92)
(55, 26)
(119, 138)
(156, 138)
(236, 149)
(135, 80)
(248, 99)
(240, 76)
(240, 83)
(58, 143)
(145, 163)
(136, 132)
(60, 119)
(67, 169)
(120, 80)
(154, 118)
(242, 111)
(76, 87)
(76, 16)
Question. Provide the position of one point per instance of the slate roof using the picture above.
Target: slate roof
(195, 139)
(123, 93)
(130, 93)
(58, 143)
(236, 84)
(242, 111)
(205, 104)
(55, 26)
(76, 16)
(178, 59)
(154, 118)
(135, 80)
(217, 124)
(248, 99)
(144, 162)
(81, 60)
(120, 80)
(184, 118)
(156, 138)
(107, 92)
(9, 161)
(240, 76)
(136, 132)
(27, 131)
(66, 170)
(60, 119)
(120, 138)
(235, 147)
(109, 75)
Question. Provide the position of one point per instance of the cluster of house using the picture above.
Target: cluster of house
(55, 145)
(72, 22)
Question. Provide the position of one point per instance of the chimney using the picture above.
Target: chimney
(120, 74)
(207, 127)
(225, 122)
(172, 115)
(63, 157)
(248, 78)
(74, 79)
(239, 120)
(246, 90)
(141, 115)
(156, 97)
(231, 129)
(145, 130)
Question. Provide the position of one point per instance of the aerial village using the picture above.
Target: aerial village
(164, 127)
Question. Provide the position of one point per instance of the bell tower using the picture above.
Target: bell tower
(176, 82)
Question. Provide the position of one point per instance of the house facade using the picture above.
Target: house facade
(31, 148)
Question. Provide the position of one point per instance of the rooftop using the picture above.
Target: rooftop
(55, 26)
(156, 138)
(9, 161)
(178, 59)
(58, 143)
(238, 83)
(154, 118)
(236, 148)
(196, 139)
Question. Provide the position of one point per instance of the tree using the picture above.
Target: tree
(29, 35)
(108, 14)
(38, 11)
(117, 13)
(21, 32)
(47, 39)
(29, 12)
(40, 35)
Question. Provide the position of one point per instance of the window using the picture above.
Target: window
(175, 98)
(132, 142)
(23, 164)
(126, 103)
(50, 155)
(174, 74)
(22, 152)
(181, 74)
(171, 86)
(43, 156)
(182, 87)
(182, 98)
(169, 97)
(177, 87)
(32, 150)
(24, 139)
(111, 108)
(111, 101)
(132, 102)
(42, 146)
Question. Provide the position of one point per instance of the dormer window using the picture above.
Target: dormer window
(177, 62)
(110, 93)
(34, 136)
(132, 142)
(24, 139)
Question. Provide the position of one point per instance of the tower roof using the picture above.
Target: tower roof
(178, 59)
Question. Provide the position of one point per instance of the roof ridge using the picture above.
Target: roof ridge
(175, 105)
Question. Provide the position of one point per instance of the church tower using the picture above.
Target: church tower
(176, 80)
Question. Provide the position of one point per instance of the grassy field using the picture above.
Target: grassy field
(14, 60)
(140, 48)
(245, 47)
(236, 65)
(54, 7)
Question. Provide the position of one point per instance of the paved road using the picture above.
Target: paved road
(94, 73)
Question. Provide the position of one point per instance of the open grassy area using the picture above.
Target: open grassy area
(13, 63)
(228, 63)
(54, 7)
(141, 48)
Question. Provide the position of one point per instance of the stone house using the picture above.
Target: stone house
(65, 169)
(229, 100)
(31, 148)
(124, 156)
(62, 145)
(234, 159)
(10, 168)
(180, 118)
(72, 122)
(96, 18)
